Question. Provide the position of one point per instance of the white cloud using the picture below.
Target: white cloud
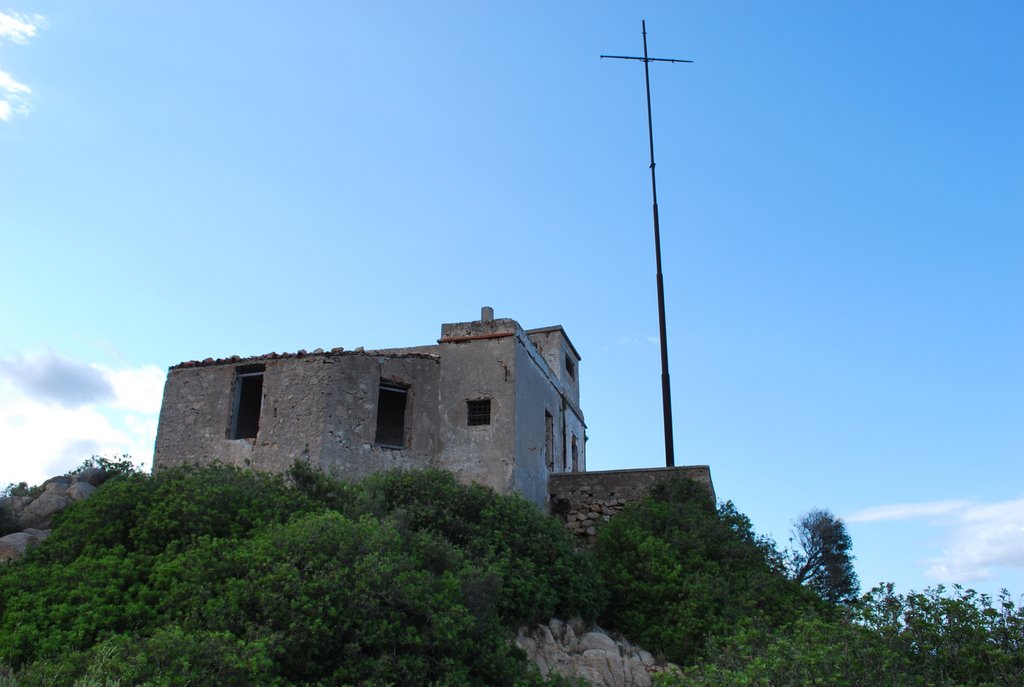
(18, 28)
(139, 389)
(46, 428)
(983, 537)
(904, 511)
(979, 538)
(8, 84)
(13, 93)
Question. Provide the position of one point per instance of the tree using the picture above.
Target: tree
(823, 561)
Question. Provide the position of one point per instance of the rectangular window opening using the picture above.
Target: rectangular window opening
(575, 455)
(245, 420)
(478, 412)
(391, 402)
(570, 367)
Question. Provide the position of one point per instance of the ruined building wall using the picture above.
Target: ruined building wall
(491, 403)
(539, 394)
(320, 408)
(535, 395)
(349, 437)
(553, 345)
(478, 363)
(196, 415)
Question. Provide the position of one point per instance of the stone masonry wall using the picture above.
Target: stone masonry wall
(584, 500)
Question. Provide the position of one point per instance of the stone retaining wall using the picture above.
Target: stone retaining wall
(584, 500)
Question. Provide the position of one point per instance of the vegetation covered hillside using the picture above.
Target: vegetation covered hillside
(216, 576)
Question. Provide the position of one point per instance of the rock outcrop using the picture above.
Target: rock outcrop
(568, 649)
(33, 516)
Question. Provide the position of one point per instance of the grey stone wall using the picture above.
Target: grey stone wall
(586, 500)
(554, 346)
(320, 408)
(350, 423)
(478, 361)
(535, 395)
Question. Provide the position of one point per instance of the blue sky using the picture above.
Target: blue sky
(840, 188)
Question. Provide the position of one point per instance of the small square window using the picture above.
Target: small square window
(478, 412)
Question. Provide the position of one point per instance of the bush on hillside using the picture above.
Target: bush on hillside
(408, 578)
(539, 568)
(8, 520)
(680, 572)
(529, 560)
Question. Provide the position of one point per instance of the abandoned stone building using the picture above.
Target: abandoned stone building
(490, 402)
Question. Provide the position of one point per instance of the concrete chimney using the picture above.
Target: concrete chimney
(486, 314)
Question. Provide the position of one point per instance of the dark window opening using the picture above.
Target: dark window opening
(549, 441)
(245, 421)
(391, 416)
(570, 367)
(478, 412)
(575, 455)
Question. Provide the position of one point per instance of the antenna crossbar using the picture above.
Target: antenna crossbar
(644, 59)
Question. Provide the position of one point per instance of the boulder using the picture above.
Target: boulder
(16, 503)
(57, 485)
(599, 641)
(93, 476)
(594, 657)
(80, 491)
(39, 514)
(14, 546)
(37, 535)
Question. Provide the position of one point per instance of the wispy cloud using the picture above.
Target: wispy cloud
(983, 538)
(905, 511)
(17, 28)
(8, 84)
(978, 538)
(638, 340)
(56, 411)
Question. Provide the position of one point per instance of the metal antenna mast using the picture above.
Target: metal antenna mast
(666, 388)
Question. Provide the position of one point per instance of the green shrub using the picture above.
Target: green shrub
(537, 567)
(679, 572)
(348, 601)
(21, 489)
(90, 579)
(111, 467)
(8, 520)
(950, 637)
(249, 578)
(170, 657)
(174, 507)
(811, 650)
